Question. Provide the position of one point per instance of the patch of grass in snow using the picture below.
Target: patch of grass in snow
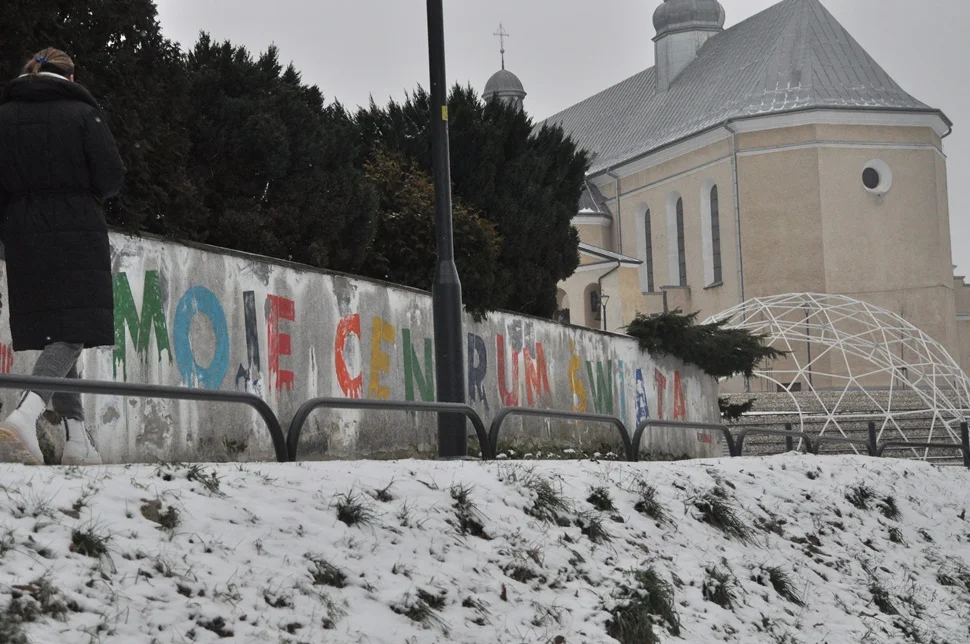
(466, 511)
(7, 542)
(783, 584)
(325, 573)
(31, 603)
(896, 535)
(352, 511)
(422, 608)
(599, 498)
(591, 525)
(210, 480)
(89, 542)
(859, 496)
(646, 602)
(548, 502)
(648, 504)
(167, 518)
(954, 573)
(217, 625)
(881, 597)
(718, 587)
(717, 510)
(384, 494)
(889, 508)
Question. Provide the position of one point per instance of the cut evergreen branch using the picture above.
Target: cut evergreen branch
(734, 411)
(717, 351)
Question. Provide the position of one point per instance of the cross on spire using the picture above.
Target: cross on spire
(502, 34)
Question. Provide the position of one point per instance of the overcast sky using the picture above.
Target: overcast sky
(564, 51)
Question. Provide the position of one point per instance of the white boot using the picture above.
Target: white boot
(18, 432)
(78, 449)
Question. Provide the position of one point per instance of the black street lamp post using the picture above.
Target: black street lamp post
(446, 291)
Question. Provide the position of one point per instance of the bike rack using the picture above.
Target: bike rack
(565, 415)
(303, 413)
(79, 386)
(649, 422)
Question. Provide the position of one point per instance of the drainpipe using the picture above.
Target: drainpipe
(737, 209)
(599, 284)
(619, 218)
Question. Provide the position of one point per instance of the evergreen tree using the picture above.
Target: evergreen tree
(282, 173)
(138, 77)
(404, 249)
(525, 180)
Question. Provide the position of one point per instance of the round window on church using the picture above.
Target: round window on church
(877, 178)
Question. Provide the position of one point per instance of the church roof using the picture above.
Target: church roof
(793, 56)
(592, 202)
(503, 81)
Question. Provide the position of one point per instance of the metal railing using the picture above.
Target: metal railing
(286, 446)
(644, 424)
(789, 435)
(303, 413)
(79, 386)
(500, 417)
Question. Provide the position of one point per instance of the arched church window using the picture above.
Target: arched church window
(716, 236)
(681, 242)
(648, 258)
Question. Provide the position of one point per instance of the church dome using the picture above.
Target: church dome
(688, 15)
(503, 83)
(506, 86)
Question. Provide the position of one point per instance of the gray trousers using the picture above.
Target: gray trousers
(59, 360)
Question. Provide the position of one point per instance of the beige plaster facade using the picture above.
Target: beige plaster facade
(793, 216)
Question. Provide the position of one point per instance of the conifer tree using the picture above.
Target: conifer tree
(525, 180)
(139, 79)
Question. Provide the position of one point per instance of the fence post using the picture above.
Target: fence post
(965, 439)
(789, 441)
(873, 448)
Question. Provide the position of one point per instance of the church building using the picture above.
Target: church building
(772, 157)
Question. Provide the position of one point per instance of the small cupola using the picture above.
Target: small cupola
(682, 27)
(504, 85)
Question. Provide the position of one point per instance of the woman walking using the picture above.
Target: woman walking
(58, 163)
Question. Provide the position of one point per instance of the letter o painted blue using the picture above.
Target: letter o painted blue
(199, 299)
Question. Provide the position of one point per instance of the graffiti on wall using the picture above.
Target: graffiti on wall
(514, 361)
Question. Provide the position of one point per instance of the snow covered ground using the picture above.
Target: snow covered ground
(789, 549)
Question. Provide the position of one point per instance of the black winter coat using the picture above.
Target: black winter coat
(58, 163)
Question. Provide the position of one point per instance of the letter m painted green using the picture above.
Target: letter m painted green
(139, 327)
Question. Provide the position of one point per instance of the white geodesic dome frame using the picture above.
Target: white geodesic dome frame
(859, 341)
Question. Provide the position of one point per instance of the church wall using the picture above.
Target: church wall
(781, 228)
(690, 177)
(963, 333)
(894, 250)
(599, 236)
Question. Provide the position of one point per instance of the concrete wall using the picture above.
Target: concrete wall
(199, 317)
